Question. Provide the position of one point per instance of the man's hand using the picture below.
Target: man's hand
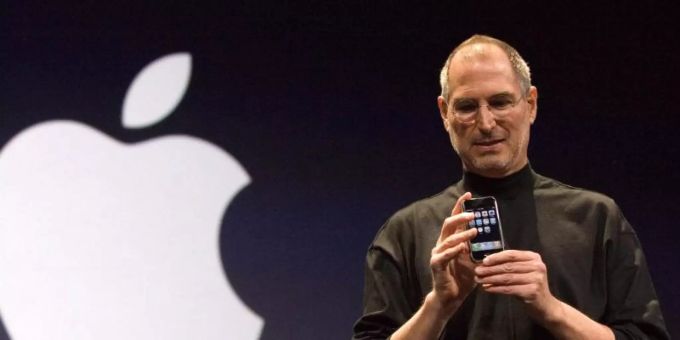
(453, 278)
(521, 274)
(524, 275)
(452, 268)
(512, 272)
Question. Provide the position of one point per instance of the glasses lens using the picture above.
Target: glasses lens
(465, 107)
(501, 104)
(465, 110)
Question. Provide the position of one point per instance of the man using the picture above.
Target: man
(573, 267)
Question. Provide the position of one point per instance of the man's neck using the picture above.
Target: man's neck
(495, 173)
(508, 185)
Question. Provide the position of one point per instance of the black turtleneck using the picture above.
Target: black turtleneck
(593, 257)
(507, 187)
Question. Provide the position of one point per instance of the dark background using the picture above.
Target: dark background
(330, 107)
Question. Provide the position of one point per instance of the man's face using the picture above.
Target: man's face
(491, 145)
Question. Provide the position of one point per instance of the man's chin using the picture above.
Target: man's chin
(490, 166)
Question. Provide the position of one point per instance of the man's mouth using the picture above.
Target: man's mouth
(490, 142)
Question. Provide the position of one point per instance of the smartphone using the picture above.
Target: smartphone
(487, 220)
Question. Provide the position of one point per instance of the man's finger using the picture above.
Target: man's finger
(458, 207)
(523, 291)
(511, 279)
(440, 260)
(507, 267)
(455, 224)
(510, 256)
(455, 240)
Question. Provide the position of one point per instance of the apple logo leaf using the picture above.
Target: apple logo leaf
(156, 90)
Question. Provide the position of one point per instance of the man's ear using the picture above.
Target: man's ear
(532, 99)
(443, 110)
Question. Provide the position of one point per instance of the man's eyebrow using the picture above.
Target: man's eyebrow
(463, 99)
(502, 94)
(495, 95)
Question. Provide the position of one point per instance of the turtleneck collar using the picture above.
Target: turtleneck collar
(507, 187)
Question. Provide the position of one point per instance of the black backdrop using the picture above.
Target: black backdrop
(330, 107)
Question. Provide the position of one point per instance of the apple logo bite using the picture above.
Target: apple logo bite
(105, 240)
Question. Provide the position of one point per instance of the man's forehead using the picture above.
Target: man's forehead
(480, 61)
(480, 53)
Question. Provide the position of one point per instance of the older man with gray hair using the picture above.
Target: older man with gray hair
(572, 267)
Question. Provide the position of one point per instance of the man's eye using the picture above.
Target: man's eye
(500, 104)
(466, 107)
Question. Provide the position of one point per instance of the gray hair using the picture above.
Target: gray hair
(520, 66)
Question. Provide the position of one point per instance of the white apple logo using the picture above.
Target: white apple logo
(105, 240)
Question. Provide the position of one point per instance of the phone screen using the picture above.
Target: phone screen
(489, 237)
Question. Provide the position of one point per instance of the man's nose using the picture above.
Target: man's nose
(486, 119)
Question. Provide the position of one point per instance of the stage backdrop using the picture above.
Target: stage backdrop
(178, 171)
